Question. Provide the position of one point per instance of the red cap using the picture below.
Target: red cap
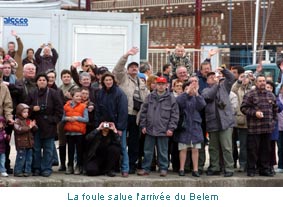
(161, 80)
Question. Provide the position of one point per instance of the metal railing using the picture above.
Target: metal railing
(159, 57)
(101, 5)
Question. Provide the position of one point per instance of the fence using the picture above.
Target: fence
(159, 57)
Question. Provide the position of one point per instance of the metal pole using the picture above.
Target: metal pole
(255, 31)
(197, 32)
(87, 5)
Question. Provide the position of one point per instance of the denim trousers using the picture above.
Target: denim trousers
(162, 152)
(280, 150)
(23, 161)
(2, 162)
(43, 154)
(125, 156)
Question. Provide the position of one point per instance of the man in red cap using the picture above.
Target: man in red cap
(158, 120)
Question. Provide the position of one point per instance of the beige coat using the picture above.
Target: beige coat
(6, 104)
(128, 84)
(240, 90)
(18, 58)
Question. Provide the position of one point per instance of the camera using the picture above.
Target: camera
(43, 108)
(106, 125)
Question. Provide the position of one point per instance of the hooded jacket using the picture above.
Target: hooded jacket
(23, 133)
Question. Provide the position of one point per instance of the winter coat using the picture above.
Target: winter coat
(45, 62)
(6, 105)
(51, 111)
(218, 111)
(95, 138)
(23, 133)
(111, 106)
(159, 114)
(128, 84)
(240, 90)
(189, 128)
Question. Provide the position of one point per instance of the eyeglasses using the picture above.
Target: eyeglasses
(87, 66)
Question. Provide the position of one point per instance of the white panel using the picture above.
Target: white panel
(98, 42)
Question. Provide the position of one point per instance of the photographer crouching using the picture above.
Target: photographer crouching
(103, 151)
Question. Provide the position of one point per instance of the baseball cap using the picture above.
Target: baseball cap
(210, 73)
(161, 80)
(132, 63)
(102, 70)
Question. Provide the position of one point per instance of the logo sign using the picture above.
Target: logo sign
(12, 21)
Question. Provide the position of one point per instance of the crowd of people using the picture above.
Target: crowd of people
(134, 122)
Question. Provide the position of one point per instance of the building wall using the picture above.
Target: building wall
(173, 24)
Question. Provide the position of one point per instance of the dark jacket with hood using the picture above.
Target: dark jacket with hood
(23, 133)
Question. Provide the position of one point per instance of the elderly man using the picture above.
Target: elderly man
(219, 121)
(136, 91)
(47, 60)
(259, 105)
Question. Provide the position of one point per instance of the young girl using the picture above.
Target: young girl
(3, 138)
(75, 118)
(24, 141)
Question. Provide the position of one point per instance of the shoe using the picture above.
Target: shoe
(228, 174)
(195, 174)
(18, 175)
(70, 170)
(111, 174)
(77, 170)
(62, 168)
(279, 170)
(10, 171)
(200, 172)
(55, 164)
(142, 173)
(36, 173)
(181, 173)
(266, 173)
(45, 174)
(27, 174)
(125, 174)
(4, 174)
(250, 174)
(163, 173)
(212, 173)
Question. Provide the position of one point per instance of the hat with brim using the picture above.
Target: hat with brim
(132, 63)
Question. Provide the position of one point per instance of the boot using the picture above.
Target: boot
(62, 154)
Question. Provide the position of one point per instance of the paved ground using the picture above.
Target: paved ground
(59, 179)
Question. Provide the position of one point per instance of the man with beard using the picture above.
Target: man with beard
(259, 105)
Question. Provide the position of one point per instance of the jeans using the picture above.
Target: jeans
(133, 141)
(280, 150)
(55, 155)
(243, 136)
(23, 161)
(2, 162)
(125, 156)
(43, 154)
(162, 152)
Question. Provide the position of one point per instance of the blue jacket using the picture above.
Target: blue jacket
(189, 128)
(112, 106)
